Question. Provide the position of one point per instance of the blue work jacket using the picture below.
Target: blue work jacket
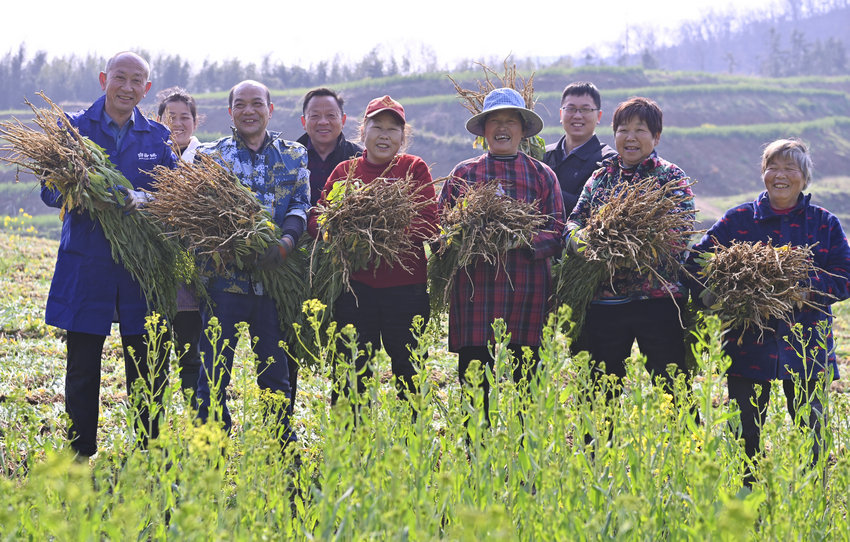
(776, 355)
(88, 286)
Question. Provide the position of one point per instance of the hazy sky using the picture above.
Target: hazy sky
(451, 30)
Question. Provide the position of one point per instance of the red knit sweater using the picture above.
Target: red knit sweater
(423, 227)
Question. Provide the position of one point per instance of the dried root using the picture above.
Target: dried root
(362, 225)
(755, 283)
(482, 226)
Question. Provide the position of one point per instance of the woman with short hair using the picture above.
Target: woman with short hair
(783, 215)
(178, 110)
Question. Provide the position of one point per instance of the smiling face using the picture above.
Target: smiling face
(634, 141)
(784, 182)
(382, 136)
(251, 111)
(178, 117)
(579, 127)
(125, 83)
(503, 132)
(323, 121)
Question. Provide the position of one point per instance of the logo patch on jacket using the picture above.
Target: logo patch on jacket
(147, 156)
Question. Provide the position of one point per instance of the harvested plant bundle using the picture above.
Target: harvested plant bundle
(363, 224)
(482, 225)
(473, 101)
(220, 220)
(575, 280)
(757, 282)
(88, 181)
(641, 225)
(212, 213)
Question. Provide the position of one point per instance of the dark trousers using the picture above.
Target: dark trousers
(82, 386)
(260, 313)
(521, 368)
(186, 327)
(753, 407)
(381, 315)
(610, 330)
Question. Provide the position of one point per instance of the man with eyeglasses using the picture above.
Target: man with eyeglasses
(579, 152)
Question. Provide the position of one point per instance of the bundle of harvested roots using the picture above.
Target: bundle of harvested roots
(367, 224)
(757, 282)
(88, 181)
(482, 225)
(212, 213)
(473, 101)
(222, 223)
(641, 225)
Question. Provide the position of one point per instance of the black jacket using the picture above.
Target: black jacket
(574, 170)
(344, 150)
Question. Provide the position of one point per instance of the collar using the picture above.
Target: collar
(582, 151)
(110, 122)
(377, 169)
(649, 163)
(763, 209)
(96, 113)
(268, 140)
(308, 144)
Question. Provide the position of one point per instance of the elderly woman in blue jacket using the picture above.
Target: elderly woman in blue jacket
(784, 215)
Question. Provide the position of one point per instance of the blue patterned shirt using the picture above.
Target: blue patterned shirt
(277, 174)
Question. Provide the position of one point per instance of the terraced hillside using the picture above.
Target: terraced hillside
(715, 125)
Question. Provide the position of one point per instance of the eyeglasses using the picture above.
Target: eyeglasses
(583, 110)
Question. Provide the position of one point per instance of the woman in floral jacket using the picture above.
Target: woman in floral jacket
(633, 304)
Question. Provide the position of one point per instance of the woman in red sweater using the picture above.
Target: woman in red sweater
(385, 299)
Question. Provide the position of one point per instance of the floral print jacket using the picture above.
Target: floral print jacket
(632, 284)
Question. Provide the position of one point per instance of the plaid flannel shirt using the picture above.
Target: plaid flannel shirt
(519, 293)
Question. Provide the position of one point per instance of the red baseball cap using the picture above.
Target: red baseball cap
(384, 103)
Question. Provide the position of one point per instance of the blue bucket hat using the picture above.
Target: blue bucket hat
(505, 98)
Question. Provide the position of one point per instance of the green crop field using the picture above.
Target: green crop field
(400, 476)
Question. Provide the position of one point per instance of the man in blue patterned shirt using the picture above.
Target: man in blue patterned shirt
(276, 171)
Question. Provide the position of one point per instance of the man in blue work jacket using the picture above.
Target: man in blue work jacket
(89, 289)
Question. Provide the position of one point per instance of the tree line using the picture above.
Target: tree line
(767, 43)
(72, 78)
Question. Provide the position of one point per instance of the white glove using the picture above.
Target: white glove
(135, 199)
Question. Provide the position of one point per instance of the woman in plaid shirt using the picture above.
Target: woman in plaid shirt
(519, 292)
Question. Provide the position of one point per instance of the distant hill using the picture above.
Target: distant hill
(804, 36)
(715, 125)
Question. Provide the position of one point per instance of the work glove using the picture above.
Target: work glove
(134, 199)
(708, 299)
(275, 254)
(575, 241)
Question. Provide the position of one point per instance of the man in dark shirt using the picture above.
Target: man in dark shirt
(322, 117)
(578, 153)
